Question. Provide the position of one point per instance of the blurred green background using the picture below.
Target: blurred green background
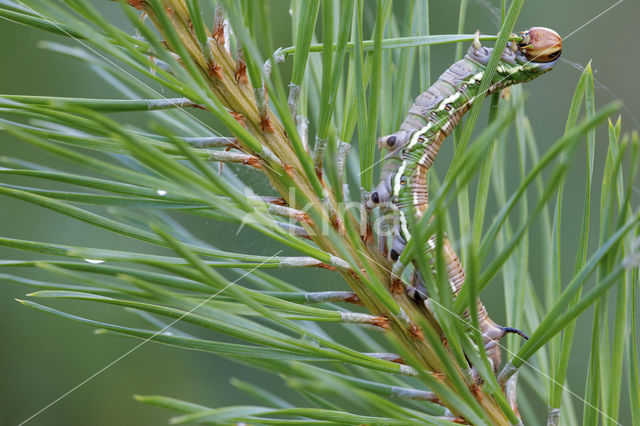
(42, 357)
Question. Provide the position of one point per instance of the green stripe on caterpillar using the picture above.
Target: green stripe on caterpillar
(402, 191)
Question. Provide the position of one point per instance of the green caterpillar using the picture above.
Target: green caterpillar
(433, 116)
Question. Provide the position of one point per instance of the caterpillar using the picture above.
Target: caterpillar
(414, 147)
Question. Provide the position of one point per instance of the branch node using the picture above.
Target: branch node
(294, 98)
(241, 69)
(215, 71)
(138, 4)
(219, 26)
(396, 286)
(318, 154)
(238, 117)
(507, 371)
(340, 263)
(407, 370)
(341, 161)
(553, 417)
(302, 124)
(416, 331)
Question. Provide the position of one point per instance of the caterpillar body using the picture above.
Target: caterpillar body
(433, 116)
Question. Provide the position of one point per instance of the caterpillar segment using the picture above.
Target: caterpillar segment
(402, 192)
(490, 331)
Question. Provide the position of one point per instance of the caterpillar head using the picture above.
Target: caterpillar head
(541, 45)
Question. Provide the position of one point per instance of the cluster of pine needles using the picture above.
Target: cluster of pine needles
(211, 86)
